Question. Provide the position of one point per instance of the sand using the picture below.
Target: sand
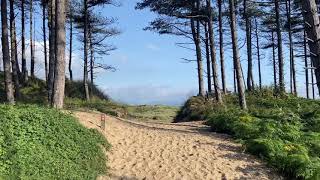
(173, 151)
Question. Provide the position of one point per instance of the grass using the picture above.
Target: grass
(284, 131)
(42, 143)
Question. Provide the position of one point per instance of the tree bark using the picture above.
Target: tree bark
(213, 54)
(5, 53)
(280, 54)
(293, 81)
(221, 49)
(274, 62)
(23, 43)
(306, 63)
(91, 63)
(311, 17)
(85, 69)
(258, 54)
(236, 57)
(70, 44)
(44, 39)
(31, 40)
(249, 46)
(14, 51)
(52, 38)
(208, 58)
(59, 80)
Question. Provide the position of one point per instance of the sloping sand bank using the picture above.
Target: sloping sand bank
(173, 151)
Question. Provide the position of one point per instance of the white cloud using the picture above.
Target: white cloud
(152, 47)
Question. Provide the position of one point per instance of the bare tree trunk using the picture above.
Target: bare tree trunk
(85, 69)
(13, 51)
(221, 49)
(16, 55)
(44, 39)
(312, 82)
(293, 81)
(280, 54)
(70, 44)
(306, 63)
(59, 80)
(208, 58)
(51, 73)
(23, 48)
(236, 57)
(91, 62)
(258, 54)
(274, 62)
(5, 53)
(31, 39)
(213, 54)
(196, 38)
(311, 17)
(249, 46)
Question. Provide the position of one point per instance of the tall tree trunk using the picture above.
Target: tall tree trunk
(31, 39)
(14, 50)
(274, 62)
(51, 12)
(280, 54)
(44, 39)
(5, 53)
(70, 44)
(208, 58)
(249, 46)
(196, 38)
(91, 62)
(213, 54)
(221, 49)
(16, 55)
(258, 53)
(23, 43)
(312, 82)
(59, 80)
(306, 63)
(85, 66)
(236, 57)
(311, 17)
(292, 63)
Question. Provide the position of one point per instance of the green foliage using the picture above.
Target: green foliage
(41, 143)
(284, 131)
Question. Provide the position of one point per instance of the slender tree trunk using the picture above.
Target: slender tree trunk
(274, 62)
(258, 54)
(221, 49)
(31, 40)
(249, 46)
(44, 39)
(51, 73)
(312, 82)
(16, 54)
(91, 62)
(196, 38)
(13, 50)
(311, 17)
(213, 54)
(70, 44)
(306, 63)
(59, 81)
(280, 54)
(5, 53)
(85, 69)
(292, 63)
(208, 58)
(23, 42)
(236, 57)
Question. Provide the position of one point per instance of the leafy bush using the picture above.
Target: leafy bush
(284, 131)
(41, 143)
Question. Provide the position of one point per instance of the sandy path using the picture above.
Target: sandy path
(168, 151)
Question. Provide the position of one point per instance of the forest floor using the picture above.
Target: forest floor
(146, 150)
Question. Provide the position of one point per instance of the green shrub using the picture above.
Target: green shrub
(40, 143)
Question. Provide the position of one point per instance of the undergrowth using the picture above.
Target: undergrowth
(42, 143)
(284, 131)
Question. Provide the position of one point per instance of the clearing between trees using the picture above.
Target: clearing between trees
(143, 150)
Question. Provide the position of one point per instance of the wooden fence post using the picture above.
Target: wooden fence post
(103, 122)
